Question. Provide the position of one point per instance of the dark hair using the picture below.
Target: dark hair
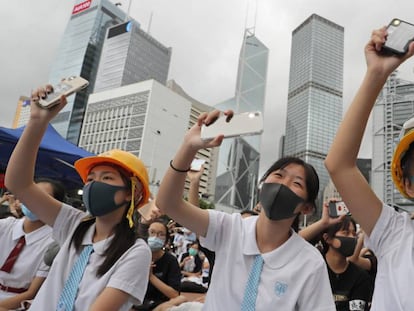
(312, 179)
(124, 236)
(406, 163)
(57, 187)
(332, 230)
(167, 232)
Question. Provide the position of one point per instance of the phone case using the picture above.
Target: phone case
(337, 209)
(246, 123)
(400, 34)
(65, 87)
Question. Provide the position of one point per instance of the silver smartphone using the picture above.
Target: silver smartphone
(400, 35)
(65, 87)
(196, 164)
(246, 123)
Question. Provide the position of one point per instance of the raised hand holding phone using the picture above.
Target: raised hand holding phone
(400, 35)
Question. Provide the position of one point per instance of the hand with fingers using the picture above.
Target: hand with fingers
(37, 112)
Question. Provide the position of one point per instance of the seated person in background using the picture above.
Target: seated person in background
(351, 285)
(191, 269)
(165, 277)
(21, 281)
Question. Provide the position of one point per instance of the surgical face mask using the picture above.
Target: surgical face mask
(155, 243)
(278, 201)
(99, 198)
(28, 213)
(192, 251)
(348, 245)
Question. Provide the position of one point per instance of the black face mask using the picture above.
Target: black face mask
(347, 247)
(99, 198)
(278, 201)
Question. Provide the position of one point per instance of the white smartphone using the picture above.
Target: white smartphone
(65, 87)
(246, 123)
(196, 164)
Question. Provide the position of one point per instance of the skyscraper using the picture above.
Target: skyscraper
(130, 55)
(315, 91)
(394, 106)
(239, 158)
(79, 54)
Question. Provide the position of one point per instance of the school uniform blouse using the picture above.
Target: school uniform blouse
(294, 275)
(30, 263)
(129, 273)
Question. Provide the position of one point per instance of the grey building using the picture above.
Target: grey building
(394, 106)
(314, 107)
(130, 55)
(238, 166)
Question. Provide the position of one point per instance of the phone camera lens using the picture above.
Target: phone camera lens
(396, 22)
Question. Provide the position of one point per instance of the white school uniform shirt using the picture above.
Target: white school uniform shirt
(392, 241)
(294, 276)
(129, 273)
(30, 263)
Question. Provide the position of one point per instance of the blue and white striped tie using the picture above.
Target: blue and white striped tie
(70, 289)
(250, 292)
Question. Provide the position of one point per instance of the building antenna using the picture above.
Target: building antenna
(150, 23)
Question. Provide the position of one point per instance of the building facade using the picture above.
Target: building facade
(238, 165)
(130, 55)
(394, 106)
(314, 107)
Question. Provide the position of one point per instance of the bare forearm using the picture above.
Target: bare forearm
(167, 290)
(193, 192)
(346, 145)
(311, 231)
(20, 169)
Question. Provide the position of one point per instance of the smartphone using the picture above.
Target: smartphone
(65, 87)
(337, 209)
(400, 35)
(196, 164)
(246, 123)
(145, 210)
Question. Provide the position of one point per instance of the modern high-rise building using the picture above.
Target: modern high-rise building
(130, 55)
(314, 107)
(238, 166)
(394, 106)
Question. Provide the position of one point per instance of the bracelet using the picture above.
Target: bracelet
(178, 170)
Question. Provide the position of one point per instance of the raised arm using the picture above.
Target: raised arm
(21, 166)
(169, 197)
(194, 177)
(341, 159)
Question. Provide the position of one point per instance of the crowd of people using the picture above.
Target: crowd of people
(182, 257)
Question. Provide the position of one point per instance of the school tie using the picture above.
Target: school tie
(70, 289)
(250, 292)
(11, 259)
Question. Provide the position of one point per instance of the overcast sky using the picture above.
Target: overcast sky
(206, 38)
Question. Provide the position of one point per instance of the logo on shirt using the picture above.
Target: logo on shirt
(280, 289)
(357, 305)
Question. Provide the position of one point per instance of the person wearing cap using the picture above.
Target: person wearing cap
(101, 265)
(261, 263)
(390, 234)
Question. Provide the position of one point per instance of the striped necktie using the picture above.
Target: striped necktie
(70, 289)
(250, 291)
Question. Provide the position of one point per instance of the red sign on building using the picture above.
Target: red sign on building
(81, 7)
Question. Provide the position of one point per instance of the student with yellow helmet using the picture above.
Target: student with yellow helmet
(390, 234)
(400, 164)
(103, 242)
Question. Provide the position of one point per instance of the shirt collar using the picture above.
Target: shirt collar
(33, 236)
(98, 247)
(276, 258)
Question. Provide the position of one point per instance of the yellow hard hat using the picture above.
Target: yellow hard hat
(406, 138)
(124, 159)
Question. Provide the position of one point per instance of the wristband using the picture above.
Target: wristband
(178, 170)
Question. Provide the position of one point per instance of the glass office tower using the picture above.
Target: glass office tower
(315, 92)
(79, 54)
(394, 106)
(239, 158)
